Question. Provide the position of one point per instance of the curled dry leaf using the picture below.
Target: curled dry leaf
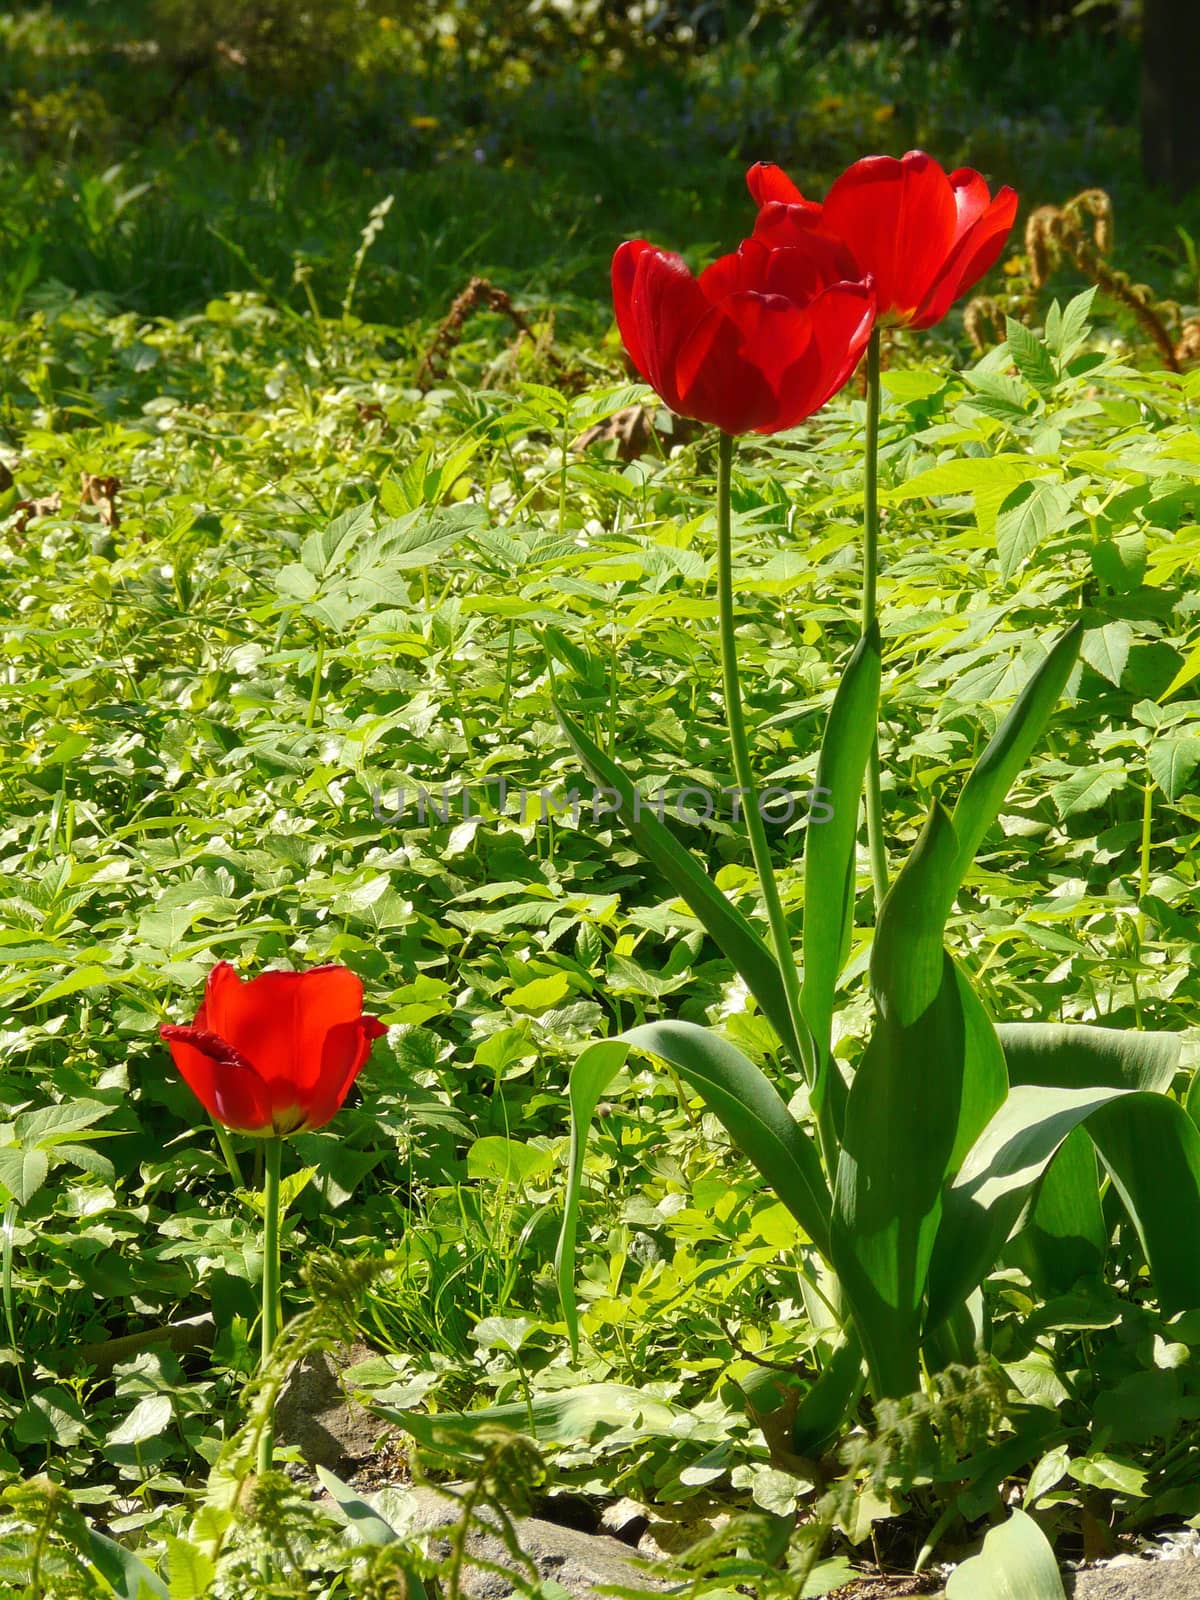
(635, 434)
(27, 510)
(101, 490)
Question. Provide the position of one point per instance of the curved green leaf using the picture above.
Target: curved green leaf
(1069, 1055)
(829, 852)
(1010, 746)
(1064, 1237)
(723, 922)
(593, 1071)
(1151, 1150)
(1016, 1563)
(923, 1092)
(754, 1113)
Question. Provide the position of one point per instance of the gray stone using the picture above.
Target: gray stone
(314, 1413)
(579, 1561)
(1177, 1578)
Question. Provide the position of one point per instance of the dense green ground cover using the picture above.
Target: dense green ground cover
(298, 581)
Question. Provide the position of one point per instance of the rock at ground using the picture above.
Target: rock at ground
(1177, 1578)
(580, 1562)
(314, 1413)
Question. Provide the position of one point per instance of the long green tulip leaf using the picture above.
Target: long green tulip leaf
(906, 957)
(1064, 1237)
(1147, 1142)
(1010, 747)
(1151, 1148)
(1068, 1055)
(593, 1071)
(822, 1415)
(923, 1092)
(724, 923)
(829, 852)
(754, 1113)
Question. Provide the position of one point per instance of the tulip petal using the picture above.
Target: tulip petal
(348, 1047)
(730, 370)
(280, 1021)
(664, 305)
(224, 1082)
(783, 227)
(745, 269)
(899, 219)
(971, 198)
(841, 319)
(977, 250)
(767, 182)
(624, 271)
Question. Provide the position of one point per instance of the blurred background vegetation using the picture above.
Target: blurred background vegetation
(160, 152)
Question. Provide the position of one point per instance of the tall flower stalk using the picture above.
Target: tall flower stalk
(743, 769)
(876, 845)
(271, 1317)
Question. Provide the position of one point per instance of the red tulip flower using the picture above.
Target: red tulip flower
(925, 236)
(276, 1054)
(760, 340)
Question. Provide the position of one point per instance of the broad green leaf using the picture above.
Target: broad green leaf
(1106, 649)
(151, 1416)
(507, 1160)
(50, 1123)
(362, 1519)
(754, 1113)
(724, 922)
(23, 1172)
(1073, 328)
(829, 846)
(1151, 1148)
(1016, 1563)
(1010, 747)
(190, 1571)
(964, 475)
(1172, 762)
(1070, 1055)
(1026, 519)
(1063, 1237)
(1088, 788)
(560, 1416)
(127, 1575)
(752, 1110)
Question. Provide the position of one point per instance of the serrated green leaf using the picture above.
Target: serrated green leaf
(23, 1172)
(1031, 357)
(1026, 519)
(1106, 649)
(190, 1572)
(1172, 762)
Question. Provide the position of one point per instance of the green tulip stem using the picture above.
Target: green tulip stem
(270, 1282)
(742, 769)
(225, 1144)
(876, 847)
